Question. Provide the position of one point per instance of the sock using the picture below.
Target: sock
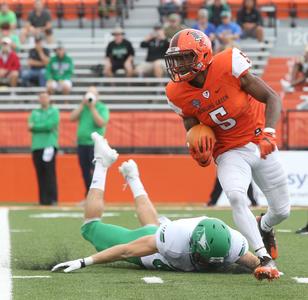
(136, 186)
(99, 176)
(261, 252)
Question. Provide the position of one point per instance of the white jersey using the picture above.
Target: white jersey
(172, 242)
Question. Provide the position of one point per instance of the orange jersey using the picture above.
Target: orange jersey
(235, 116)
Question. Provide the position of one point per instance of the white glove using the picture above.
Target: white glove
(73, 265)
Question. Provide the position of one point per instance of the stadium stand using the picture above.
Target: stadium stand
(136, 102)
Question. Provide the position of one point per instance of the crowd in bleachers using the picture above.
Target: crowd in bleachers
(55, 70)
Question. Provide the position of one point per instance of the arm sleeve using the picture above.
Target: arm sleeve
(144, 44)
(240, 63)
(109, 50)
(51, 123)
(131, 50)
(239, 246)
(104, 113)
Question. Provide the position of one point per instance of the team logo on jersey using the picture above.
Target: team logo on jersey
(196, 103)
(206, 94)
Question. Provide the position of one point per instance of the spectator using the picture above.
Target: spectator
(7, 16)
(119, 55)
(215, 11)
(44, 124)
(37, 62)
(39, 22)
(204, 25)
(106, 8)
(92, 115)
(9, 62)
(59, 72)
(168, 7)
(249, 18)
(173, 26)
(6, 32)
(157, 45)
(228, 32)
(299, 73)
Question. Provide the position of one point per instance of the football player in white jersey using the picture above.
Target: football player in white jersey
(194, 244)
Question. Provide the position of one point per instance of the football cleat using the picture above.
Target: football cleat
(269, 240)
(267, 269)
(129, 169)
(102, 151)
(303, 230)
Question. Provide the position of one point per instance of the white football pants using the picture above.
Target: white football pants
(236, 168)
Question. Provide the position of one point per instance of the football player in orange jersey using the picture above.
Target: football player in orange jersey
(219, 91)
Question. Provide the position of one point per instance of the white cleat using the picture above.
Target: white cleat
(102, 151)
(129, 169)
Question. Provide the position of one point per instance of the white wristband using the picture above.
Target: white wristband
(269, 130)
(88, 261)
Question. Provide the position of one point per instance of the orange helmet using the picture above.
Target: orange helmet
(190, 52)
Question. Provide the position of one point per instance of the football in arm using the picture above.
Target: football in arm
(196, 132)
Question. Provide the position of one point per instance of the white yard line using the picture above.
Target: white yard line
(284, 230)
(301, 279)
(5, 256)
(152, 279)
(30, 277)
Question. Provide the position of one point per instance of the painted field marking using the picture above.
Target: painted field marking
(30, 277)
(5, 256)
(301, 279)
(284, 230)
(21, 230)
(57, 215)
(152, 279)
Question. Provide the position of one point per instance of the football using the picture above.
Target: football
(196, 132)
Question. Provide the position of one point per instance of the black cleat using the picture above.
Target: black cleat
(303, 230)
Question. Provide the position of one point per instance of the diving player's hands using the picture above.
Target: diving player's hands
(202, 153)
(267, 143)
(73, 265)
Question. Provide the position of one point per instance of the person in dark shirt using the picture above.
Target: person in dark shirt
(249, 18)
(157, 45)
(39, 22)
(119, 55)
(37, 62)
(215, 11)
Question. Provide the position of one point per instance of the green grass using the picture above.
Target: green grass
(54, 240)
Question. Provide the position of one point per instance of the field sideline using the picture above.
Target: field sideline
(42, 237)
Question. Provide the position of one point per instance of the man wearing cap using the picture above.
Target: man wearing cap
(59, 72)
(157, 45)
(37, 62)
(119, 55)
(9, 62)
(228, 32)
(173, 26)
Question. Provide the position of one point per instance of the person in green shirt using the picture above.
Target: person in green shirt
(59, 72)
(44, 124)
(7, 32)
(7, 16)
(92, 116)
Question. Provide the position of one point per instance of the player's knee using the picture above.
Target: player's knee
(237, 198)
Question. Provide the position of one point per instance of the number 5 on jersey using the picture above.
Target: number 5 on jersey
(226, 124)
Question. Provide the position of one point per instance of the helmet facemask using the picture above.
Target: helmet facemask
(181, 65)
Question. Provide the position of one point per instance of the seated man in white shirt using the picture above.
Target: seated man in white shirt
(191, 245)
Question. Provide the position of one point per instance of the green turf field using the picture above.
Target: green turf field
(46, 241)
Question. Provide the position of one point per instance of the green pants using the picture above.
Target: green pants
(103, 236)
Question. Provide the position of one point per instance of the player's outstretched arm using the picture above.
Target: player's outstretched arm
(260, 271)
(141, 247)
